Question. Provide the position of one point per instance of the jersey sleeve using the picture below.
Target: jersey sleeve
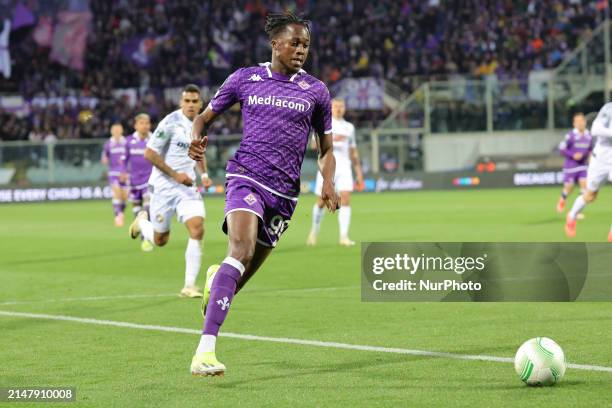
(161, 137)
(352, 141)
(321, 116)
(105, 152)
(228, 94)
(601, 124)
(565, 147)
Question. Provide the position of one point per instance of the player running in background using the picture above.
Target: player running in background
(576, 148)
(113, 156)
(173, 189)
(280, 104)
(599, 169)
(345, 152)
(139, 169)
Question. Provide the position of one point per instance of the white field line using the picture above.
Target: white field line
(144, 296)
(314, 343)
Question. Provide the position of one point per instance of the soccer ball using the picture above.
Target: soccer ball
(540, 361)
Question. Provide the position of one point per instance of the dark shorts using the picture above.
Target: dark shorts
(572, 177)
(274, 212)
(139, 194)
(114, 181)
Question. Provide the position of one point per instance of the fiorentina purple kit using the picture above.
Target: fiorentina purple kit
(576, 142)
(115, 152)
(278, 115)
(137, 166)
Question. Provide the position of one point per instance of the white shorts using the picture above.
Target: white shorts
(597, 174)
(343, 179)
(185, 202)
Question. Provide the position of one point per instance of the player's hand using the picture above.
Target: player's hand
(184, 179)
(123, 177)
(206, 181)
(330, 198)
(197, 148)
(360, 184)
(577, 156)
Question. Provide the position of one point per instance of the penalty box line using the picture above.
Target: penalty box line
(315, 343)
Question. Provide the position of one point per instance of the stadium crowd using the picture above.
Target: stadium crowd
(155, 45)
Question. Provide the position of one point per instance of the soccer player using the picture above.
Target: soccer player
(345, 152)
(576, 148)
(280, 103)
(173, 189)
(113, 156)
(139, 169)
(599, 169)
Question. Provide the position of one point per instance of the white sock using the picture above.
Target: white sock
(344, 219)
(146, 229)
(579, 204)
(193, 261)
(207, 344)
(317, 217)
(136, 209)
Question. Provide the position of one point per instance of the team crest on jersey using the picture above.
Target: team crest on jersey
(250, 199)
(303, 84)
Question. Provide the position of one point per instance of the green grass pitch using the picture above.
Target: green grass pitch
(54, 255)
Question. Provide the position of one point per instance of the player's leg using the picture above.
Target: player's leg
(344, 218)
(158, 229)
(242, 230)
(193, 256)
(117, 200)
(318, 211)
(597, 174)
(259, 256)
(565, 192)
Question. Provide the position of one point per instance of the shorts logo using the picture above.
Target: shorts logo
(159, 218)
(250, 199)
(303, 84)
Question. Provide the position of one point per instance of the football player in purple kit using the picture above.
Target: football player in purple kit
(113, 155)
(576, 148)
(139, 169)
(281, 104)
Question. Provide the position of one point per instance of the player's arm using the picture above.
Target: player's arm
(327, 167)
(202, 168)
(199, 134)
(158, 142)
(601, 124)
(104, 158)
(356, 165)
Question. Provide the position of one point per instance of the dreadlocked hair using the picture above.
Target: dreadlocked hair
(276, 22)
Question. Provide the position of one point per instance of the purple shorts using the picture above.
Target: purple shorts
(274, 211)
(139, 194)
(114, 181)
(574, 176)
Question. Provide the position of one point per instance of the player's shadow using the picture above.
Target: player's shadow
(66, 258)
(323, 368)
(518, 386)
(553, 220)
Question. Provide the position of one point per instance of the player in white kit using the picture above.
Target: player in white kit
(173, 189)
(345, 153)
(599, 170)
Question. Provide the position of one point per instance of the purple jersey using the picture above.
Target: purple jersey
(576, 142)
(278, 115)
(137, 166)
(114, 151)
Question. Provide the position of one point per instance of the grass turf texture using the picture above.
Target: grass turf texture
(72, 250)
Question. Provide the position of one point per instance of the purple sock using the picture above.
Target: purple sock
(117, 207)
(221, 295)
(122, 207)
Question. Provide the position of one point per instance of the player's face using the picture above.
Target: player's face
(143, 126)
(191, 104)
(116, 131)
(580, 122)
(290, 47)
(338, 109)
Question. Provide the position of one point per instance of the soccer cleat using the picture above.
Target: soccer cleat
(580, 216)
(561, 205)
(210, 275)
(207, 365)
(346, 242)
(134, 227)
(570, 226)
(610, 236)
(312, 239)
(119, 220)
(190, 292)
(146, 246)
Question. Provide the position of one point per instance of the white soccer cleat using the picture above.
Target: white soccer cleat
(312, 239)
(146, 246)
(190, 292)
(207, 365)
(346, 242)
(134, 227)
